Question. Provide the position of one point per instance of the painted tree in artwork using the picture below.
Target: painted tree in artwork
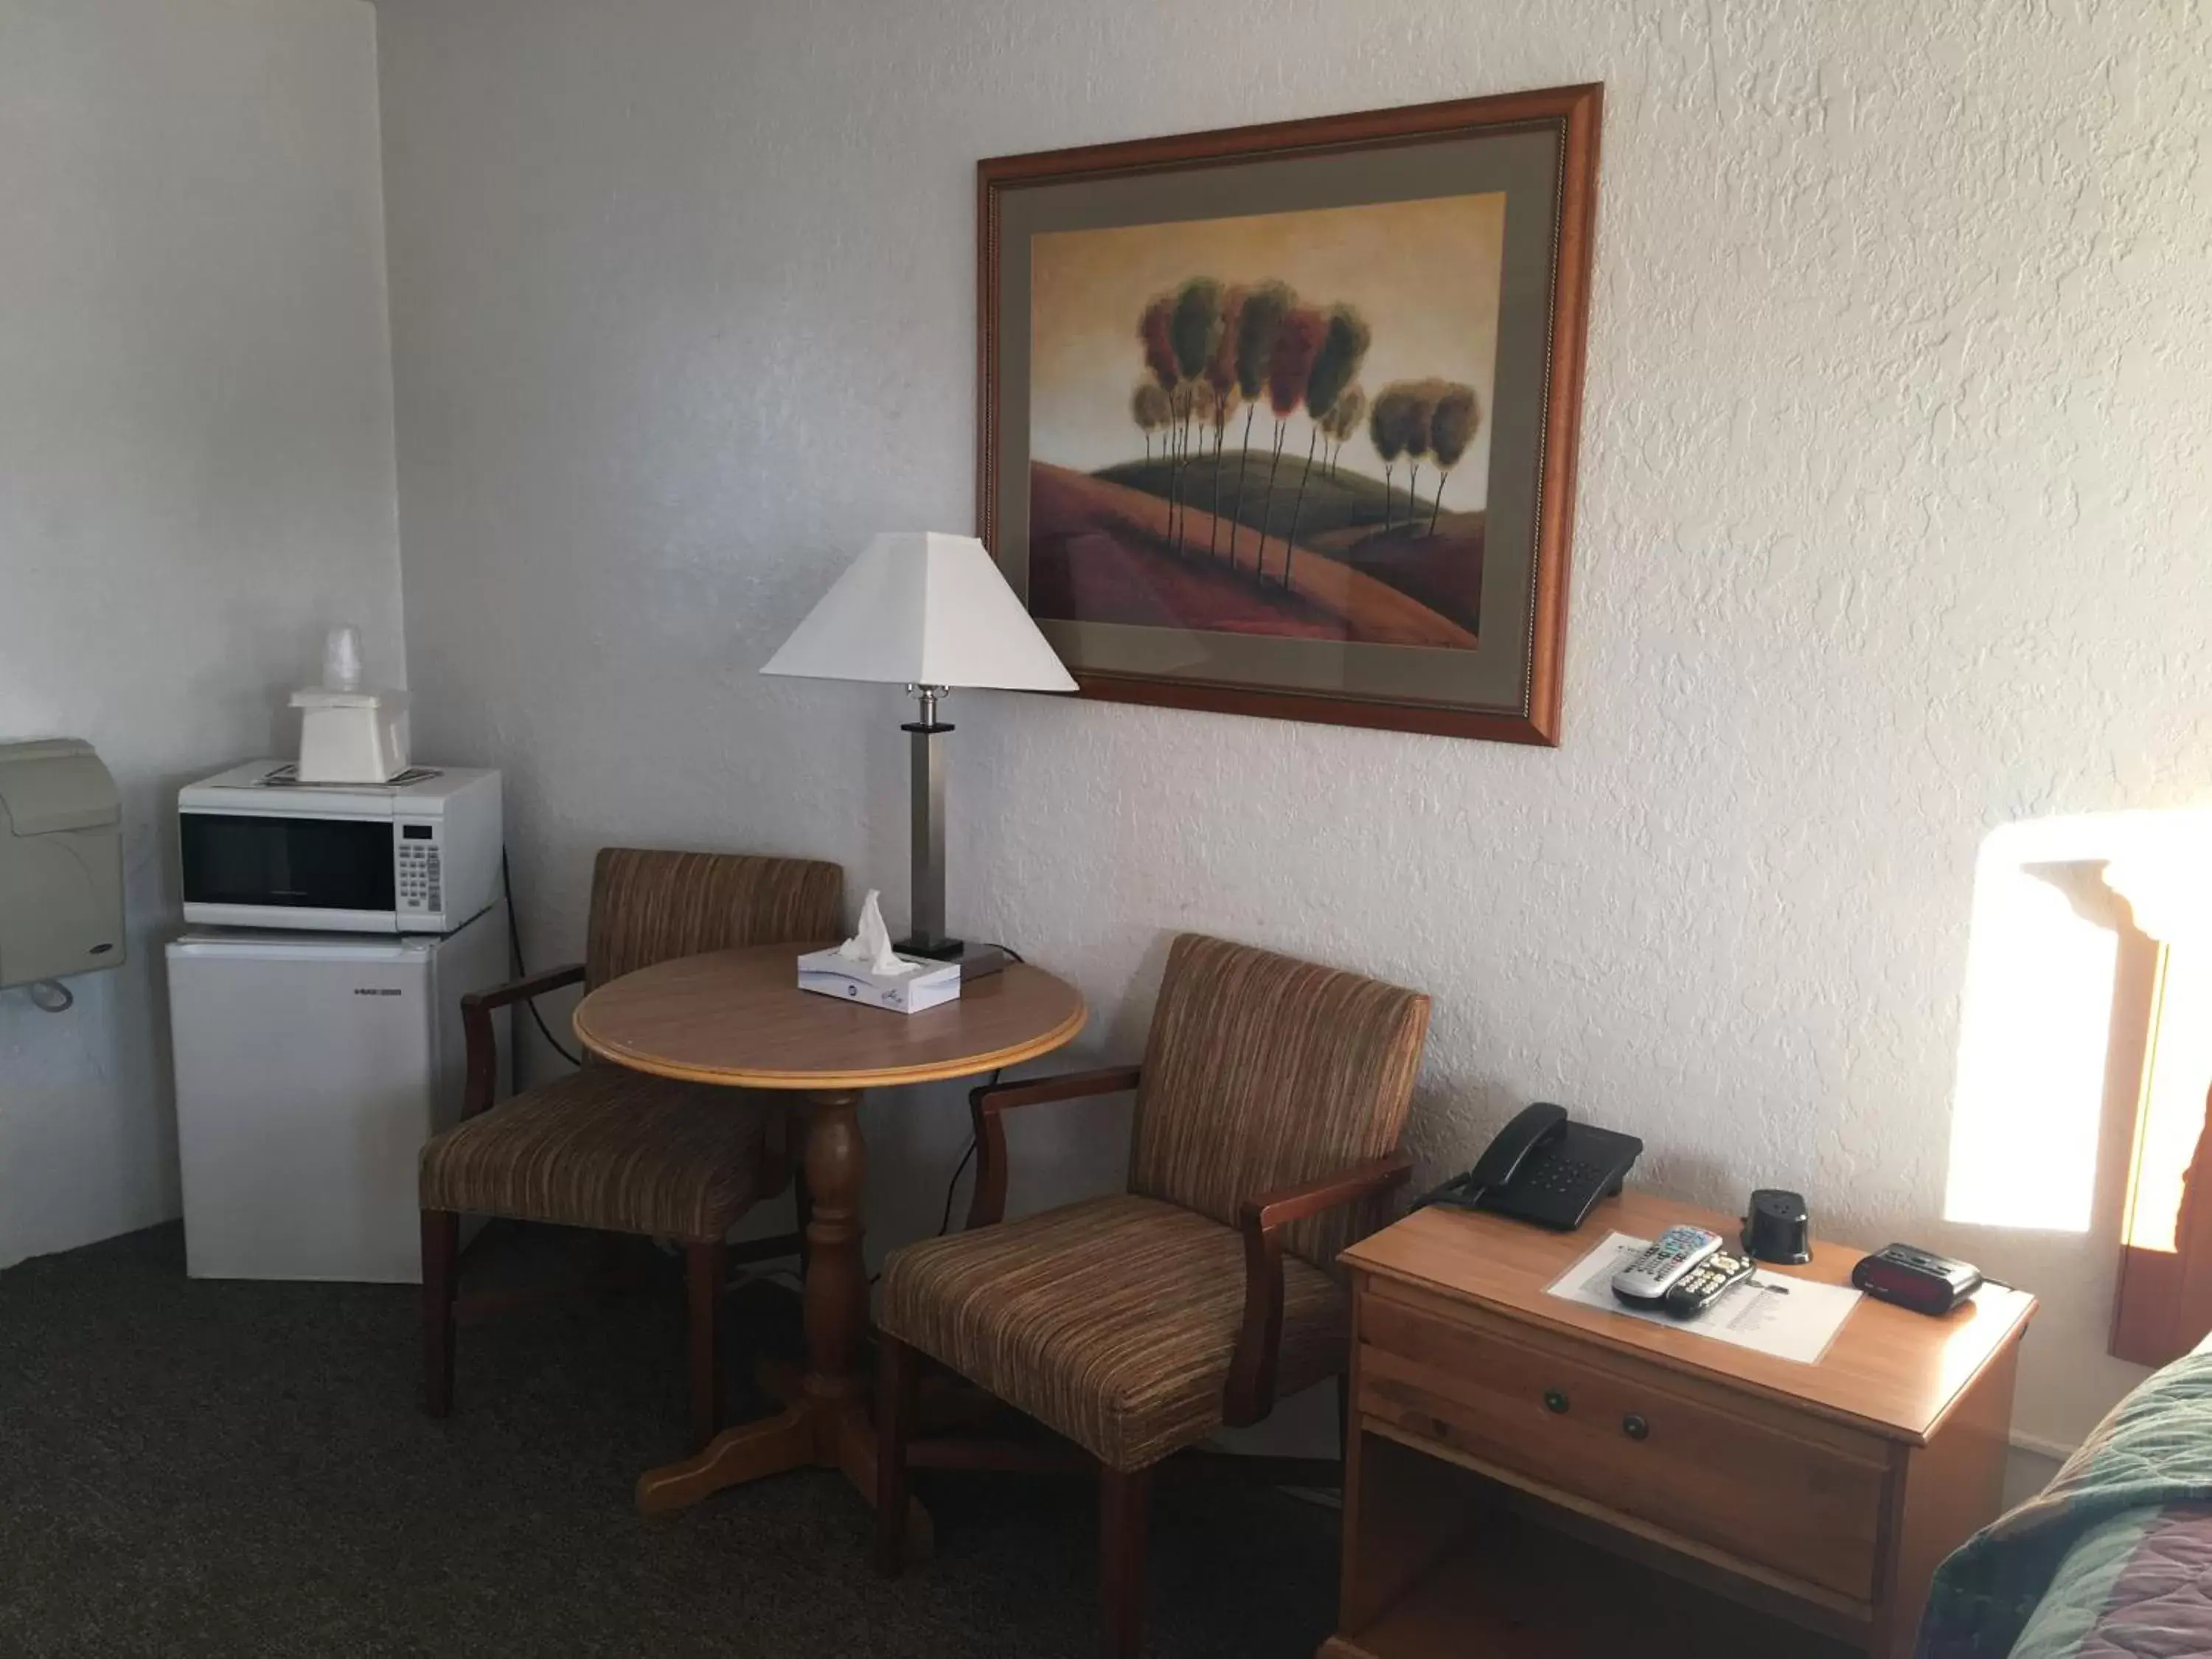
(1290, 367)
(1420, 408)
(1220, 379)
(1259, 313)
(1344, 419)
(1222, 406)
(1336, 363)
(1452, 424)
(1148, 407)
(1204, 404)
(1159, 349)
(1154, 332)
(1193, 331)
(1388, 425)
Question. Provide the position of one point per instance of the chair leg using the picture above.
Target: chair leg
(898, 1385)
(1124, 1503)
(704, 1268)
(1343, 1418)
(441, 1245)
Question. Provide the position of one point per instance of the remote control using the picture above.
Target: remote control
(1663, 1261)
(1706, 1284)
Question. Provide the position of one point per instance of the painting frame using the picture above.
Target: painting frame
(1528, 713)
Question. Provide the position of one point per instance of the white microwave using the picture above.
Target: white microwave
(420, 854)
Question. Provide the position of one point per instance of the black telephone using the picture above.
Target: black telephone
(1544, 1170)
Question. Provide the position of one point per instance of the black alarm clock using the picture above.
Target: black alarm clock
(1917, 1279)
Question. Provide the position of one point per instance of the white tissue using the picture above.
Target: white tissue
(872, 946)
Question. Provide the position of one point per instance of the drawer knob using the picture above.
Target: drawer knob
(1634, 1426)
(1555, 1401)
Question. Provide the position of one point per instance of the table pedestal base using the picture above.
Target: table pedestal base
(824, 1422)
(808, 1435)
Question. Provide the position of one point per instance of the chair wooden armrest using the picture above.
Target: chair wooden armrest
(1250, 1394)
(483, 1044)
(989, 1206)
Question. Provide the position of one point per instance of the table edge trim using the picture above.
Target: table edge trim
(882, 1077)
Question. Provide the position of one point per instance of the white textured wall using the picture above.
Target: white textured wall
(196, 473)
(1893, 530)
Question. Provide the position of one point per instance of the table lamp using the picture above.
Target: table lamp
(931, 612)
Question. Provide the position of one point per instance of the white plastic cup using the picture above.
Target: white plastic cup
(342, 659)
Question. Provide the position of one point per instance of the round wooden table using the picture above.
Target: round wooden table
(738, 1019)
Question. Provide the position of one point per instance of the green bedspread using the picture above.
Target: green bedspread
(2122, 1533)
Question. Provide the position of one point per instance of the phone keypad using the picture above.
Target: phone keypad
(1551, 1173)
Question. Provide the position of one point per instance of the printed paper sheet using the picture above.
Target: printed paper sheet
(1769, 1313)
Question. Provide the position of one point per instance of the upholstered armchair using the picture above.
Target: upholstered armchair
(1269, 1105)
(615, 1151)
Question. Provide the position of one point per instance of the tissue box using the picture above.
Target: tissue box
(352, 736)
(833, 976)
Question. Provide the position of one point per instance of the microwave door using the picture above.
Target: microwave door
(240, 870)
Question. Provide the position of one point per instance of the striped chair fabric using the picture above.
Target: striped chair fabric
(610, 1148)
(614, 1149)
(1261, 1071)
(649, 906)
(1115, 1322)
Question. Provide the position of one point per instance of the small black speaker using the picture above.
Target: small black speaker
(1777, 1227)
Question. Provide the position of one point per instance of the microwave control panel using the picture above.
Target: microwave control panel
(421, 884)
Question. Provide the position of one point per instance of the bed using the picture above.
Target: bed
(2113, 1559)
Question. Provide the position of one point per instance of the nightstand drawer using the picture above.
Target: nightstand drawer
(1634, 1439)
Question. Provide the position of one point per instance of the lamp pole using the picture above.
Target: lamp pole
(927, 830)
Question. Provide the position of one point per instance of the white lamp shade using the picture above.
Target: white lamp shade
(919, 608)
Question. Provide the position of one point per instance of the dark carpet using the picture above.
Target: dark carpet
(192, 1467)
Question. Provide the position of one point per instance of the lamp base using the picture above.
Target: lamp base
(976, 961)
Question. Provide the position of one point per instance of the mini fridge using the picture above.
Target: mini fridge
(310, 1069)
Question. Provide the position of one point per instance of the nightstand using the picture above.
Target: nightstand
(1528, 1476)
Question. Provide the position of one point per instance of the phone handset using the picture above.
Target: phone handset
(1544, 1170)
(1502, 1159)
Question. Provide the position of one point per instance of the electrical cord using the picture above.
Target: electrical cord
(952, 1187)
(514, 952)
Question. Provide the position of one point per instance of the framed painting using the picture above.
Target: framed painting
(1281, 420)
